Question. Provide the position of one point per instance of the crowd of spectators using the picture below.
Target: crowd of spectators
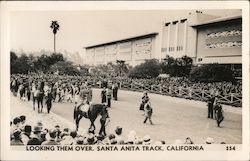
(23, 134)
(65, 84)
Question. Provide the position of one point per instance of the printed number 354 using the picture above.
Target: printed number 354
(230, 148)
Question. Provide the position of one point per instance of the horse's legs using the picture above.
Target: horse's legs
(41, 101)
(38, 104)
(78, 118)
(92, 124)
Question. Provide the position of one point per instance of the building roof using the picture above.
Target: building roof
(123, 40)
(221, 19)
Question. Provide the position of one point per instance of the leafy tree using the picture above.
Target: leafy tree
(212, 73)
(65, 67)
(179, 67)
(20, 65)
(148, 69)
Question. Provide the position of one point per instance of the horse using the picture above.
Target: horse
(38, 97)
(93, 112)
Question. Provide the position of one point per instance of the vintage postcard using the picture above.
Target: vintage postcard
(125, 80)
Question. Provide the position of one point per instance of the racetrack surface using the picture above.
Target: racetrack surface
(173, 118)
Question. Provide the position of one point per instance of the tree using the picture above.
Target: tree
(65, 67)
(212, 73)
(121, 67)
(54, 26)
(148, 69)
(179, 67)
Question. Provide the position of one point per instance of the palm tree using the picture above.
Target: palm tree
(54, 26)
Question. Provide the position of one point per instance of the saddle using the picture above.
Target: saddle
(84, 111)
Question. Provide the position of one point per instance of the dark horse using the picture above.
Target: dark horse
(38, 97)
(93, 112)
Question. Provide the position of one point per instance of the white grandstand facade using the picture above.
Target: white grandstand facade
(205, 38)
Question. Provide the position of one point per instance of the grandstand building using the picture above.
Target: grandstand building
(204, 38)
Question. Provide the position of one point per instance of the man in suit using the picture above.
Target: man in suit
(36, 140)
(103, 95)
(210, 105)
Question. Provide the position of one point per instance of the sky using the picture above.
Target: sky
(30, 30)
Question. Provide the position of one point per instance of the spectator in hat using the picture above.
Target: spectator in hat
(73, 135)
(146, 140)
(17, 138)
(58, 132)
(40, 125)
(65, 133)
(109, 96)
(80, 141)
(209, 140)
(91, 139)
(113, 141)
(15, 125)
(118, 132)
(43, 135)
(22, 122)
(188, 141)
(67, 138)
(36, 139)
(52, 140)
(26, 134)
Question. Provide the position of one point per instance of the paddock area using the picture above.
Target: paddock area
(173, 118)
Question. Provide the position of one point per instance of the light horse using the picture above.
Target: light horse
(38, 97)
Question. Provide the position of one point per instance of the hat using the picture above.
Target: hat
(37, 129)
(80, 140)
(52, 133)
(22, 118)
(16, 120)
(209, 140)
(146, 140)
(139, 141)
(16, 133)
(113, 141)
(118, 130)
(111, 136)
(27, 128)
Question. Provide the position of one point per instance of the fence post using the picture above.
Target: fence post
(232, 98)
(179, 91)
(190, 93)
(160, 89)
(170, 91)
(202, 94)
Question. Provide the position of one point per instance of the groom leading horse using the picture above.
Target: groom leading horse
(89, 111)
